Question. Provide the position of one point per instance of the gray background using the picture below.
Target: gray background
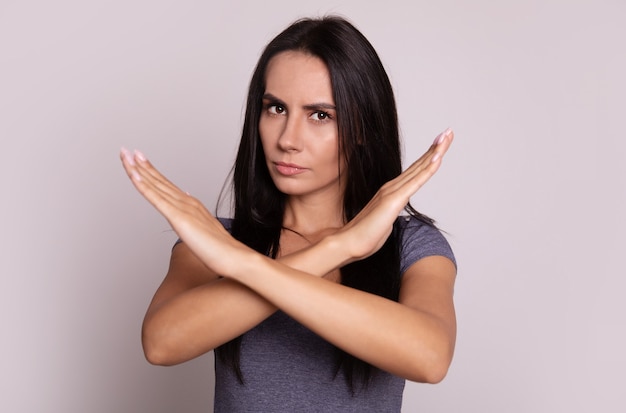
(531, 194)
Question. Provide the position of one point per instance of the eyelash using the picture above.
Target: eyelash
(276, 109)
(326, 116)
(274, 106)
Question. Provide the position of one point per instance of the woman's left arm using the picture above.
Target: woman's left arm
(413, 338)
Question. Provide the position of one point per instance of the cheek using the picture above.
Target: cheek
(331, 147)
(328, 157)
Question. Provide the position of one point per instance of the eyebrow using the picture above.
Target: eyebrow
(311, 106)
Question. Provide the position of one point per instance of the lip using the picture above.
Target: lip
(288, 169)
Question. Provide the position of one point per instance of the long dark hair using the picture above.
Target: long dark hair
(368, 140)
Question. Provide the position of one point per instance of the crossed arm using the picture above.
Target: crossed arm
(195, 310)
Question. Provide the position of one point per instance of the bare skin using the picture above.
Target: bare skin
(217, 288)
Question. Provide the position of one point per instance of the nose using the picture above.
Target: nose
(290, 139)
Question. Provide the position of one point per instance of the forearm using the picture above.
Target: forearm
(392, 336)
(318, 259)
(200, 319)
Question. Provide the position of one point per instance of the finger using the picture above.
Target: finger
(142, 181)
(419, 176)
(439, 147)
(443, 143)
(129, 164)
(166, 205)
(425, 158)
(150, 173)
(159, 192)
(162, 189)
(397, 192)
(424, 171)
(424, 163)
(164, 196)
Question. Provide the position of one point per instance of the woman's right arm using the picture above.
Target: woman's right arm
(194, 310)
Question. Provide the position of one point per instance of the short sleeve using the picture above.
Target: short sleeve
(421, 240)
(227, 223)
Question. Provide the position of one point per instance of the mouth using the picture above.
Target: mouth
(288, 169)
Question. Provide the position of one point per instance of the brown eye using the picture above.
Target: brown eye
(320, 116)
(275, 109)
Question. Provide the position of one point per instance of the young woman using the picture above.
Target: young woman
(316, 295)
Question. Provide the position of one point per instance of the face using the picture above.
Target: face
(298, 126)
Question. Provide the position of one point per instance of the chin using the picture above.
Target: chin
(291, 189)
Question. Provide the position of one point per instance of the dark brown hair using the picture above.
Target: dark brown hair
(368, 140)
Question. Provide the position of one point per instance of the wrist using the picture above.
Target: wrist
(336, 250)
(244, 264)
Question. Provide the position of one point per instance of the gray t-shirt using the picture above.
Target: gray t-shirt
(288, 368)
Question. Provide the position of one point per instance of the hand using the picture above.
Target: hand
(193, 223)
(367, 232)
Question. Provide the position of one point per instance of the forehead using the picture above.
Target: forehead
(295, 73)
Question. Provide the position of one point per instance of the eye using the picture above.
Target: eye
(320, 116)
(274, 109)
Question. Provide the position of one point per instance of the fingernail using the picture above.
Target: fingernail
(135, 175)
(140, 156)
(438, 139)
(127, 157)
(442, 136)
(435, 157)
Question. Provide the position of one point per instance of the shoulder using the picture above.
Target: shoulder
(419, 240)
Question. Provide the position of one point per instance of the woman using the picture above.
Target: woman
(316, 295)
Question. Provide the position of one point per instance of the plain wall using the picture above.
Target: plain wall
(531, 194)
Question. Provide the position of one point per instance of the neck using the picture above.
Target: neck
(307, 216)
